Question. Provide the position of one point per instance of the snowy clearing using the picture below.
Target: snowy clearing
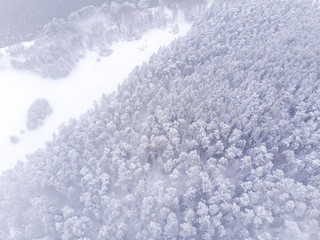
(69, 97)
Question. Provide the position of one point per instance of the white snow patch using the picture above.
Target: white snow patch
(69, 97)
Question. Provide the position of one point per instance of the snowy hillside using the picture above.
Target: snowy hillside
(216, 137)
(71, 96)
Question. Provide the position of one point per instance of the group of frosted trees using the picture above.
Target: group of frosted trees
(38, 111)
(215, 138)
(64, 42)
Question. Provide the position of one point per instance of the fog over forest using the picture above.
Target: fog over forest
(22, 20)
(216, 136)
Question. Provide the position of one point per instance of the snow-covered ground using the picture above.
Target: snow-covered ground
(69, 97)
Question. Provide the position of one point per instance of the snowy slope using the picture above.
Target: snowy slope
(217, 137)
(69, 97)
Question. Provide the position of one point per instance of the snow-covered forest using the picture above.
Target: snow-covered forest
(216, 137)
(63, 42)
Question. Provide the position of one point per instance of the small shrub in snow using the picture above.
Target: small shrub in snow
(37, 113)
(105, 52)
(14, 139)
